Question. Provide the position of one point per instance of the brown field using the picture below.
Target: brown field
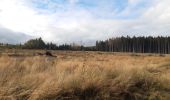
(24, 75)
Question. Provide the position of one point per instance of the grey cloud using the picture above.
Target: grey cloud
(8, 36)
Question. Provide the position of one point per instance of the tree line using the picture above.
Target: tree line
(143, 44)
(38, 43)
(135, 44)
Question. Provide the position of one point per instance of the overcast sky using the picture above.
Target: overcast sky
(82, 21)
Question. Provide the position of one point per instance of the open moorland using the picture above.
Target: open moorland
(68, 75)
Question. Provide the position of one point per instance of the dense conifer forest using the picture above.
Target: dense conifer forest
(135, 44)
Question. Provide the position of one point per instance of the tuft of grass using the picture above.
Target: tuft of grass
(162, 55)
(135, 54)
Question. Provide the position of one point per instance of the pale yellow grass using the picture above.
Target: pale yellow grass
(84, 76)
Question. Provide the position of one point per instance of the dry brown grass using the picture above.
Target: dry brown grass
(84, 76)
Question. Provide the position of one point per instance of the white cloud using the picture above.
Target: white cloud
(75, 25)
(73, 1)
(16, 16)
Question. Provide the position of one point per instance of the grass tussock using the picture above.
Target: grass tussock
(84, 76)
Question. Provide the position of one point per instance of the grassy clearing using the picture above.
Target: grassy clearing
(84, 76)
